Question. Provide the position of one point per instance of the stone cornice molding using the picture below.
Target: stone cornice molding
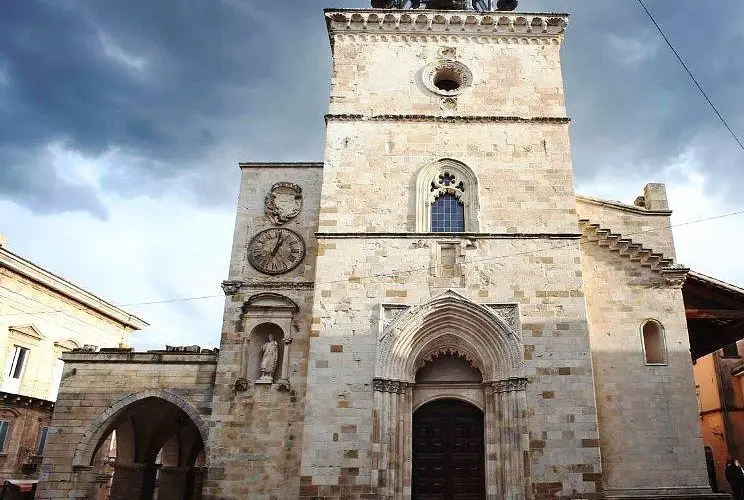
(280, 165)
(233, 287)
(501, 26)
(10, 400)
(68, 290)
(450, 236)
(154, 357)
(622, 206)
(555, 120)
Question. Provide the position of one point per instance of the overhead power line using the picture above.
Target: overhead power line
(692, 77)
(407, 271)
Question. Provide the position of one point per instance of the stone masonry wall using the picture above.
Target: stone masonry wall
(547, 285)
(255, 442)
(95, 386)
(509, 79)
(648, 418)
(524, 174)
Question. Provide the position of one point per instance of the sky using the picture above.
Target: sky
(122, 124)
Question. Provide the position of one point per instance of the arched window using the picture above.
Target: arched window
(447, 198)
(654, 345)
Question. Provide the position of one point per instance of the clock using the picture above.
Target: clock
(276, 250)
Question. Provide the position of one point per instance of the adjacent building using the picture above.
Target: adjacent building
(43, 316)
(718, 372)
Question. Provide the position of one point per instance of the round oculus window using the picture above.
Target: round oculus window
(447, 78)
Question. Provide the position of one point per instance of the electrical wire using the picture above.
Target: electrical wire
(409, 271)
(692, 77)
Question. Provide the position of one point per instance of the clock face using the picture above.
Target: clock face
(276, 250)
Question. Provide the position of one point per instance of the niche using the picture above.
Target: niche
(654, 346)
(258, 337)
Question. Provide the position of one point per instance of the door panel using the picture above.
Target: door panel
(448, 458)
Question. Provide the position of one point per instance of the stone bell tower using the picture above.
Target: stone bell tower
(449, 349)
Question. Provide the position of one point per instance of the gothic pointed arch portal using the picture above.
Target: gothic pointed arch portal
(450, 325)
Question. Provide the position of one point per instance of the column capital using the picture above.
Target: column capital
(392, 386)
(509, 385)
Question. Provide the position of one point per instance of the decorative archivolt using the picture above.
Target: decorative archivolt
(449, 323)
(447, 344)
(446, 176)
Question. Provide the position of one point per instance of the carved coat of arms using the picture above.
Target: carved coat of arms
(284, 202)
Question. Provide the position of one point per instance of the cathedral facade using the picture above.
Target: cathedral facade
(432, 312)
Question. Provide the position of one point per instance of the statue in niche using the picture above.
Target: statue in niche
(269, 359)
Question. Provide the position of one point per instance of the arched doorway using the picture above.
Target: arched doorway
(451, 348)
(448, 451)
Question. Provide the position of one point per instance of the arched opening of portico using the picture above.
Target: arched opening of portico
(150, 449)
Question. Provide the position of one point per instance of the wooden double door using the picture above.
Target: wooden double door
(448, 452)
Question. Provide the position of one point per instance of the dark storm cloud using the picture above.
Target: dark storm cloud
(186, 89)
(173, 85)
(642, 113)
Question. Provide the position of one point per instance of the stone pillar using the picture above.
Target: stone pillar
(127, 481)
(194, 483)
(173, 482)
(149, 478)
(512, 403)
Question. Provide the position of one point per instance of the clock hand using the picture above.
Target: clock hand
(279, 242)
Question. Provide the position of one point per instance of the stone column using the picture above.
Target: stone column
(284, 376)
(172, 482)
(405, 441)
(512, 404)
(494, 486)
(388, 438)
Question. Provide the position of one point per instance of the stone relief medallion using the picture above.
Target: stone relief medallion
(448, 52)
(284, 202)
(447, 77)
(448, 103)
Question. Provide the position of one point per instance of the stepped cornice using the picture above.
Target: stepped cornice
(422, 22)
(673, 275)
